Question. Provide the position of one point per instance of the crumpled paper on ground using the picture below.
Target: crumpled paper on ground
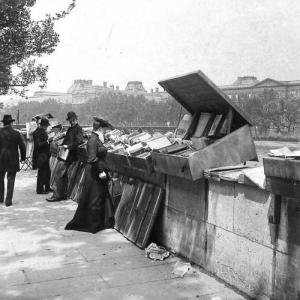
(180, 268)
(156, 252)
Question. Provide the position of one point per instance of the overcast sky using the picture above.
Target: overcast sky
(149, 40)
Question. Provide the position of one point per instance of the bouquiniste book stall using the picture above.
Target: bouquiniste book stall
(215, 134)
(219, 130)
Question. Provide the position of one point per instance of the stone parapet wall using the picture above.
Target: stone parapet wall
(233, 231)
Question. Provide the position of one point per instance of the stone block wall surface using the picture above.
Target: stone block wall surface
(228, 228)
(239, 261)
(184, 235)
(287, 272)
(289, 229)
(287, 276)
(187, 196)
(252, 209)
(221, 204)
(181, 226)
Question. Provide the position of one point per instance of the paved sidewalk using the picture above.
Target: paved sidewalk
(40, 260)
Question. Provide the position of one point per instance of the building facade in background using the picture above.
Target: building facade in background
(83, 90)
(41, 96)
(135, 88)
(250, 86)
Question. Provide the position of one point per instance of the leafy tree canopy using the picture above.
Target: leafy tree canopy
(22, 41)
(269, 110)
(119, 109)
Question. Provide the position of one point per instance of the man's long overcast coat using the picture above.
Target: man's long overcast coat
(10, 143)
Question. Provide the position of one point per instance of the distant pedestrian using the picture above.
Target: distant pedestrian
(41, 144)
(10, 143)
(37, 119)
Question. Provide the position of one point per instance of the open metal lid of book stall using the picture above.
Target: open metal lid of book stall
(195, 92)
(201, 97)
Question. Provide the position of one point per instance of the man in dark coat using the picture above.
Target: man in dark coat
(41, 144)
(38, 119)
(73, 138)
(10, 142)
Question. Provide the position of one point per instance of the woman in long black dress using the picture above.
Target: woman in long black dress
(95, 210)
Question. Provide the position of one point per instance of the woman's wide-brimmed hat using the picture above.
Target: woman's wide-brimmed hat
(7, 119)
(103, 123)
(40, 116)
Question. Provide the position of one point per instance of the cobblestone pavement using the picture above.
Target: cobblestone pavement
(39, 260)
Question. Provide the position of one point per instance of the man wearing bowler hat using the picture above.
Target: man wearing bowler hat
(37, 119)
(10, 142)
(41, 144)
(73, 138)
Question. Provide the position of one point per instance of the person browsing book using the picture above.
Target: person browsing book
(73, 138)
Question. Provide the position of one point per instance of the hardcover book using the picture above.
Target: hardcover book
(202, 124)
(215, 125)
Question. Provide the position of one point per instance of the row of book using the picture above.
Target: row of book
(193, 134)
(203, 125)
(137, 144)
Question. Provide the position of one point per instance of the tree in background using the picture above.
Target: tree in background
(22, 41)
(270, 111)
(288, 108)
(267, 111)
(119, 109)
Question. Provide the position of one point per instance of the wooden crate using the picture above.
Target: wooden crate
(230, 146)
(282, 168)
(282, 176)
(141, 164)
(137, 211)
(154, 178)
(114, 160)
(233, 149)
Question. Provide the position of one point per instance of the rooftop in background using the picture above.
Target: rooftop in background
(246, 81)
(83, 90)
(135, 87)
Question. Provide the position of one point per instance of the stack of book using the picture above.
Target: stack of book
(158, 143)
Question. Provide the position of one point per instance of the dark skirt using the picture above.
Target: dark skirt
(95, 210)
